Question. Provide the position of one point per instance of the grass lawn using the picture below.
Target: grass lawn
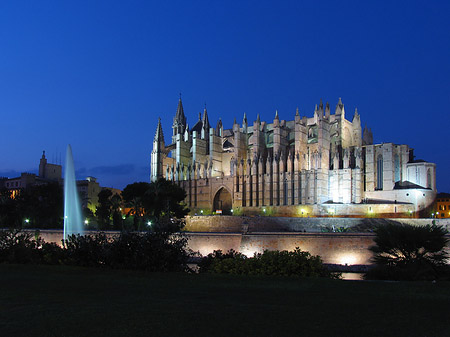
(68, 301)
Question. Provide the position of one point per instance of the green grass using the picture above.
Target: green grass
(68, 301)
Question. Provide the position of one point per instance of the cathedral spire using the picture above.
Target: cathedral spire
(244, 120)
(179, 116)
(296, 112)
(159, 136)
(179, 121)
(258, 120)
(276, 114)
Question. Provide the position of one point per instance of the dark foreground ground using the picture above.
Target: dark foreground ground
(63, 301)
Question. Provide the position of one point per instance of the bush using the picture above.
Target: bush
(405, 252)
(19, 247)
(87, 250)
(150, 251)
(273, 263)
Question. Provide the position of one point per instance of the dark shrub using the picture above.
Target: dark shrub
(151, 251)
(19, 247)
(87, 250)
(51, 253)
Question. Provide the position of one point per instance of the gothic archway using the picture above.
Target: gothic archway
(222, 201)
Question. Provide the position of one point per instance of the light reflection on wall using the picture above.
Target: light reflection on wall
(348, 259)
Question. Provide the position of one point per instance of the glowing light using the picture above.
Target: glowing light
(123, 217)
(347, 259)
(86, 221)
(264, 210)
(149, 223)
(27, 220)
(201, 211)
(231, 210)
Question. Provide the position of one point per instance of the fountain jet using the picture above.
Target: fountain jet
(73, 223)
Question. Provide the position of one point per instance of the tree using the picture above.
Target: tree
(103, 211)
(8, 209)
(41, 205)
(409, 252)
(159, 202)
(116, 208)
(164, 198)
(133, 195)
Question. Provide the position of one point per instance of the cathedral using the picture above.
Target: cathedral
(324, 165)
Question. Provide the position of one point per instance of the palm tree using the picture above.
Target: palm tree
(409, 252)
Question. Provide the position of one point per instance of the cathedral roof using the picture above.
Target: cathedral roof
(198, 126)
(402, 185)
(227, 144)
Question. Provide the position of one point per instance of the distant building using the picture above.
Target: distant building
(442, 209)
(88, 189)
(50, 172)
(323, 165)
(47, 173)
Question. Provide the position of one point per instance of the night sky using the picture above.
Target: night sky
(98, 74)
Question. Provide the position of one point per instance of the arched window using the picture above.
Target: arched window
(397, 167)
(429, 178)
(380, 172)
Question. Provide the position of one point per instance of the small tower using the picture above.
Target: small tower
(42, 165)
(205, 125)
(357, 133)
(340, 109)
(158, 152)
(219, 128)
(244, 123)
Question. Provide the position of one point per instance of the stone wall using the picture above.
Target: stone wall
(247, 224)
(250, 235)
(334, 248)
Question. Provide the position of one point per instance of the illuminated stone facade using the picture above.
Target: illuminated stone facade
(309, 166)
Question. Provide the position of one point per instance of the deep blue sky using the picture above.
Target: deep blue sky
(97, 74)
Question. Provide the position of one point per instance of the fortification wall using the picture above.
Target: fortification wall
(246, 224)
(251, 235)
(334, 248)
(331, 247)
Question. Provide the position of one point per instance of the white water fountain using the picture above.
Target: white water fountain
(73, 223)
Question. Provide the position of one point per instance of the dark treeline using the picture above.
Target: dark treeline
(139, 204)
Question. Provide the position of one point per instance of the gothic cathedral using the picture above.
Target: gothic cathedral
(324, 165)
